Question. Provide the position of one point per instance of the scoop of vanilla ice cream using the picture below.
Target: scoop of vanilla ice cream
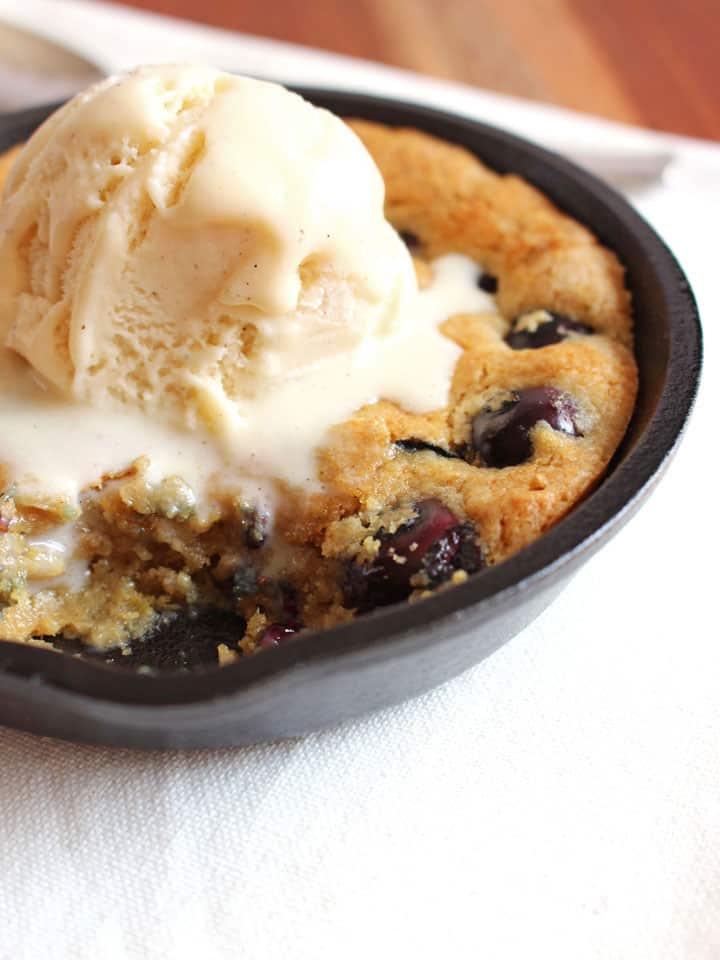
(179, 240)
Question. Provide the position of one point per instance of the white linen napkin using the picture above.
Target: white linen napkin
(559, 800)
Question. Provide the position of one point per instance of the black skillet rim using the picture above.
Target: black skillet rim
(545, 560)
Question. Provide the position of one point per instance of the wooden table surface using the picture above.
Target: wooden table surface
(649, 62)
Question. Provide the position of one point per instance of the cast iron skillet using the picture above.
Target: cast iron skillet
(396, 652)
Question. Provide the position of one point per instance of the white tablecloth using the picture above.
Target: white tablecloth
(560, 800)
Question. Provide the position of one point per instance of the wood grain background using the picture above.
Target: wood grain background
(651, 62)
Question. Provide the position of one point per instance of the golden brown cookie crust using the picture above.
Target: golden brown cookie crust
(447, 199)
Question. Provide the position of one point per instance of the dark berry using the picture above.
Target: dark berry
(502, 437)
(543, 328)
(423, 552)
(457, 550)
(183, 640)
(410, 239)
(487, 282)
(412, 539)
(413, 445)
(275, 633)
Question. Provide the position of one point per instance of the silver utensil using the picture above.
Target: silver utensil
(34, 70)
